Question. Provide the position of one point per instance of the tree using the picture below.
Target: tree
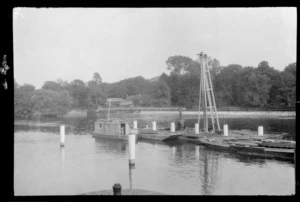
(160, 94)
(52, 102)
(96, 92)
(253, 88)
(52, 85)
(225, 85)
(274, 80)
(97, 78)
(23, 103)
(287, 89)
(79, 92)
(291, 68)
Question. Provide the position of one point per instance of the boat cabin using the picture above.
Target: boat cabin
(112, 128)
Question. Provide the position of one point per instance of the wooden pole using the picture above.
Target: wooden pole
(205, 124)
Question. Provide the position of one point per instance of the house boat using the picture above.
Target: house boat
(113, 129)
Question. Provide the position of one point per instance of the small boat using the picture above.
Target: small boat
(285, 144)
(113, 129)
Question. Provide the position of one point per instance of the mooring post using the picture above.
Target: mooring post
(225, 130)
(196, 128)
(117, 188)
(131, 150)
(127, 129)
(134, 124)
(172, 127)
(154, 125)
(260, 130)
(62, 135)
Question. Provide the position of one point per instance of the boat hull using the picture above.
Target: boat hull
(114, 137)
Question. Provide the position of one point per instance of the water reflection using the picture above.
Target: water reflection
(62, 156)
(197, 154)
(111, 145)
(131, 175)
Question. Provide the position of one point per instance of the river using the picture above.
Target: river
(86, 164)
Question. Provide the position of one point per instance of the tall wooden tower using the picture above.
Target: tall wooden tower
(206, 96)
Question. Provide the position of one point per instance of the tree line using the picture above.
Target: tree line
(234, 85)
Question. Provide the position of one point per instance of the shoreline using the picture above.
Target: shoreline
(221, 114)
(228, 114)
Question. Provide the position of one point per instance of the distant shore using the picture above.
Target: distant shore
(221, 114)
(228, 114)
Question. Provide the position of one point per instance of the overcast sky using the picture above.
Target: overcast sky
(73, 43)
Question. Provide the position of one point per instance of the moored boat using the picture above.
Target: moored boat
(113, 129)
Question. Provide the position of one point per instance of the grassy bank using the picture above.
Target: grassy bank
(221, 114)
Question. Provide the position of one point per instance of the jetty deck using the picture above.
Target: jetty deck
(245, 142)
(125, 192)
(160, 135)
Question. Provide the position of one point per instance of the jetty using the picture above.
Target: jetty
(245, 142)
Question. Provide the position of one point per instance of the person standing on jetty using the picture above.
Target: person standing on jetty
(180, 122)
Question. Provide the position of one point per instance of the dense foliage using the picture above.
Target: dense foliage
(234, 85)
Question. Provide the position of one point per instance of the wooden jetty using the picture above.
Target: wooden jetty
(159, 135)
(248, 144)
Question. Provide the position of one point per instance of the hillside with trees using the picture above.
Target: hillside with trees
(234, 86)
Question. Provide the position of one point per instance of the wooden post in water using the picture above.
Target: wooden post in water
(172, 127)
(260, 130)
(117, 188)
(196, 128)
(62, 135)
(154, 125)
(131, 150)
(225, 130)
(135, 125)
(127, 129)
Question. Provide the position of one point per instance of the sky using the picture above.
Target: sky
(118, 43)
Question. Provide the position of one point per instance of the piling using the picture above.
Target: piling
(62, 135)
(172, 127)
(154, 125)
(260, 130)
(196, 128)
(225, 130)
(117, 188)
(134, 124)
(131, 150)
(127, 129)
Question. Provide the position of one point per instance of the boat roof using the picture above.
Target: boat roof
(111, 121)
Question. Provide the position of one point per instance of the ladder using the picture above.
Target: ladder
(208, 99)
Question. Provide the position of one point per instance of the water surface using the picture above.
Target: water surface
(87, 164)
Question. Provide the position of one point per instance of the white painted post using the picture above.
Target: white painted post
(62, 135)
(196, 128)
(134, 124)
(131, 150)
(127, 128)
(154, 125)
(225, 130)
(172, 127)
(260, 130)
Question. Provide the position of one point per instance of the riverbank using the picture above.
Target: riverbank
(231, 114)
(221, 114)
